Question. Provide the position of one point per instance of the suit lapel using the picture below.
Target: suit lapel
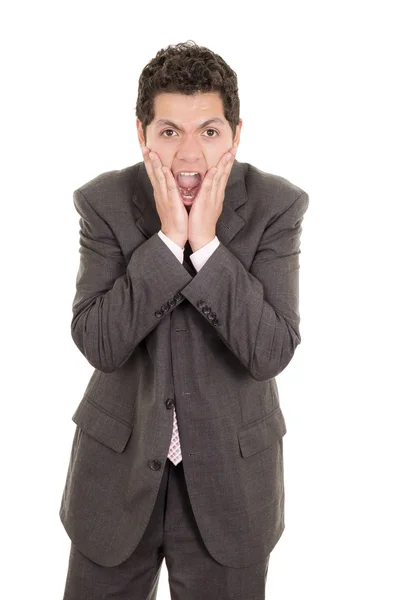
(228, 224)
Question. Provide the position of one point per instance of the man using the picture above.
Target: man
(186, 306)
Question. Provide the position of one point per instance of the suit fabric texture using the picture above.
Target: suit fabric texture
(198, 259)
(171, 534)
(209, 343)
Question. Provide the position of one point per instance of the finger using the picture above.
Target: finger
(153, 165)
(157, 168)
(172, 187)
(208, 180)
(224, 167)
(148, 163)
(226, 161)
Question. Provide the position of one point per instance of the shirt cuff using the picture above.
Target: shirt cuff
(177, 250)
(201, 256)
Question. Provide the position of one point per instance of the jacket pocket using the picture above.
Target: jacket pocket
(260, 434)
(104, 427)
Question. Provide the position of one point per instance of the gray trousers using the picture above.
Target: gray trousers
(171, 533)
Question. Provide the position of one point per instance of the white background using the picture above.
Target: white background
(319, 103)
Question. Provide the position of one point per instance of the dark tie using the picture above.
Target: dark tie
(187, 263)
(175, 453)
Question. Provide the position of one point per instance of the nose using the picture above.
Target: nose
(189, 150)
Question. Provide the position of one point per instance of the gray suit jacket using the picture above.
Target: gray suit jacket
(211, 343)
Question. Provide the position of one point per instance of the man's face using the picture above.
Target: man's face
(182, 138)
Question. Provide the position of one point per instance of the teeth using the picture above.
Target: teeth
(185, 193)
(187, 173)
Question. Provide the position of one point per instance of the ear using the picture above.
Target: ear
(140, 132)
(236, 139)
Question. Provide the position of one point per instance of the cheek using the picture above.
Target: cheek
(166, 155)
(215, 154)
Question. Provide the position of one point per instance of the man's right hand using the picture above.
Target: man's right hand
(170, 208)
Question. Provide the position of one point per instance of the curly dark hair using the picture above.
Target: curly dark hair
(187, 68)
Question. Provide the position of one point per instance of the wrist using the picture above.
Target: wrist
(200, 243)
(177, 239)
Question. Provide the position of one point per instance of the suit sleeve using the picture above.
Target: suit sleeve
(117, 304)
(256, 312)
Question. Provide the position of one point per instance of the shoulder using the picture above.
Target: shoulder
(271, 193)
(109, 186)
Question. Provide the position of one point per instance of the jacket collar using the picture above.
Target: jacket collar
(229, 222)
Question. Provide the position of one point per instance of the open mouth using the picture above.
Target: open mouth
(189, 183)
(188, 195)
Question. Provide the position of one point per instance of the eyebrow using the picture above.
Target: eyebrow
(172, 124)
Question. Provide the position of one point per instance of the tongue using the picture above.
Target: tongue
(188, 181)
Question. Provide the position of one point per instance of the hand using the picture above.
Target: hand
(170, 208)
(207, 206)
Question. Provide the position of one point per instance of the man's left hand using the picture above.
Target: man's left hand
(207, 206)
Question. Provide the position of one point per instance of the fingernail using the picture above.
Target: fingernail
(228, 156)
(152, 155)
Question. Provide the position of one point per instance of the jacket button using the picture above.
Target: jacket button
(217, 322)
(178, 296)
(200, 303)
(211, 316)
(170, 403)
(158, 313)
(155, 465)
(172, 301)
(206, 310)
(165, 307)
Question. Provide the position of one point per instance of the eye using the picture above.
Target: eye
(214, 131)
(207, 130)
(165, 130)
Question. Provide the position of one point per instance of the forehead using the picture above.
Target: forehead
(183, 108)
